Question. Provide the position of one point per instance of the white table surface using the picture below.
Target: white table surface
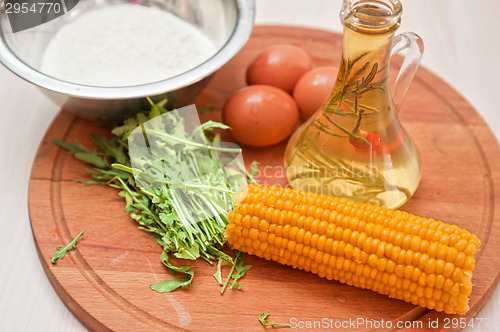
(462, 47)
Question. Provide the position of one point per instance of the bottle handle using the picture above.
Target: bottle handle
(415, 46)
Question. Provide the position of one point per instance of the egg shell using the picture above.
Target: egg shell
(313, 88)
(260, 115)
(279, 65)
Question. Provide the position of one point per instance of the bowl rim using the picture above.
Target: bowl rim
(238, 38)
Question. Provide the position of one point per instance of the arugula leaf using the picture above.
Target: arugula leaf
(263, 320)
(123, 131)
(254, 168)
(82, 153)
(92, 158)
(219, 254)
(237, 271)
(218, 272)
(164, 209)
(240, 271)
(126, 128)
(209, 125)
(158, 108)
(72, 148)
(205, 109)
(110, 147)
(61, 251)
(188, 253)
(169, 285)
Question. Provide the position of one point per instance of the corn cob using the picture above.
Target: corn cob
(418, 260)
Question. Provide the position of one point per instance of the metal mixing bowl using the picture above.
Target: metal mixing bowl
(228, 23)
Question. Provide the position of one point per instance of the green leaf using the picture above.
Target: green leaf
(182, 269)
(218, 273)
(159, 240)
(123, 168)
(254, 167)
(91, 183)
(358, 72)
(167, 218)
(239, 268)
(205, 109)
(92, 158)
(191, 253)
(141, 118)
(169, 285)
(127, 127)
(371, 75)
(105, 144)
(323, 128)
(212, 124)
(348, 132)
(157, 109)
(72, 148)
(263, 320)
(219, 254)
(181, 157)
(61, 251)
(111, 147)
(128, 199)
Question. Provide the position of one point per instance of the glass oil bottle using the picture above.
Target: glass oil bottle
(354, 145)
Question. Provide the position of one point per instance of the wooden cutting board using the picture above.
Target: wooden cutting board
(105, 282)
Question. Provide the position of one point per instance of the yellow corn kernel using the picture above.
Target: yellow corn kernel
(418, 260)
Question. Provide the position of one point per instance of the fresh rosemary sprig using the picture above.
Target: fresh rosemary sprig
(346, 100)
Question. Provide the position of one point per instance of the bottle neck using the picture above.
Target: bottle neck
(369, 27)
(365, 55)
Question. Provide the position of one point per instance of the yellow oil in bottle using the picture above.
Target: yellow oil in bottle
(355, 146)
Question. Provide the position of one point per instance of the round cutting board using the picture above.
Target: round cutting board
(106, 280)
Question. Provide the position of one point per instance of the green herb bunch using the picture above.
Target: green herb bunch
(158, 209)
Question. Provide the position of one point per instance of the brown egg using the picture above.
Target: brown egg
(279, 65)
(313, 88)
(260, 115)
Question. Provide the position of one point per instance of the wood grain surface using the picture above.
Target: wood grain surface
(105, 281)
